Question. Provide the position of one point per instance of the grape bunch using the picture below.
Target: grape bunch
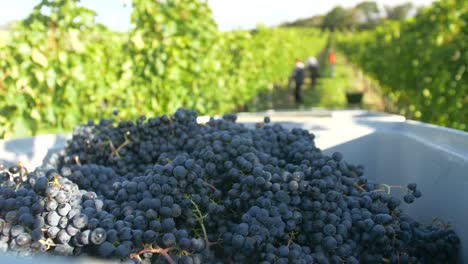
(412, 194)
(170, 190)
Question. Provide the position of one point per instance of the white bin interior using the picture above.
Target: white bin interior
(393, 151)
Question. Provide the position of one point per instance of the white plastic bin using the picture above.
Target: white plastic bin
(393, 151)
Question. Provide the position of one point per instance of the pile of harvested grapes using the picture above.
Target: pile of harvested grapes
(170, 190)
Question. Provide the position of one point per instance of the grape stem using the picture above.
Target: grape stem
(291, 237)
(48, 243)
(55, 182)
(396, 186)
(162, 251)
(438, 222)
(200, 220)
(77, 160)
(115, 151)
(211, 186)
(383, 188)
(21, 166)
(359, 187)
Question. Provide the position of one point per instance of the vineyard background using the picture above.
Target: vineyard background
(60, 68)
(420, 63)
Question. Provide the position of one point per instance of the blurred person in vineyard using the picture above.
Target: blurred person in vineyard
(332, 62)
(297, 77)
(313, 69)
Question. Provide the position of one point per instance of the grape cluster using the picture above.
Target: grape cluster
(171, 190)
(413, 193)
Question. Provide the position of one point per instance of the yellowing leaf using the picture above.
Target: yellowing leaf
(75, 42)
(426, 92)
(35, 114)
(21, 127)
(39, 58)
(39, 75)
(62, 57)
(138, 41)
(439, 40)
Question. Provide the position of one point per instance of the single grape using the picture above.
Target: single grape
(168, 239)
(80, 221)
(98, 236)
(408, 198)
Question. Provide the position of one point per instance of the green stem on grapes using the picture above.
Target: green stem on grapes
(200, 220)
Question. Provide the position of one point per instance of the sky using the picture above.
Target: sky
(228, 14)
